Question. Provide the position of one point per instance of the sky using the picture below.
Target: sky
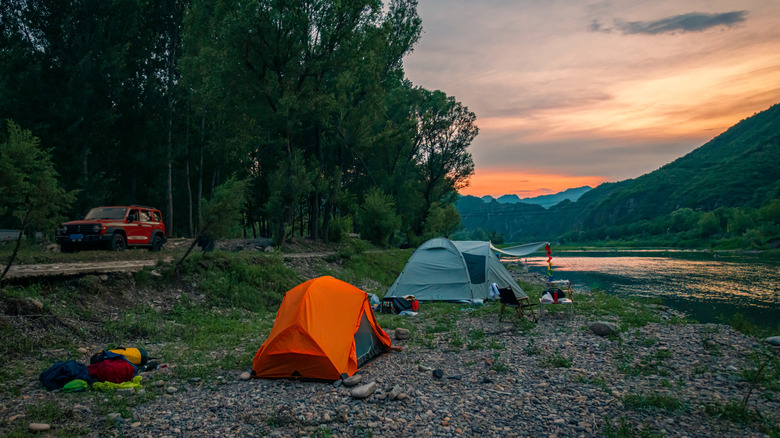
(573, 93)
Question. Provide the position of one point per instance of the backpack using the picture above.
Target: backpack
(394, 305)
(136, 356)
(61, 373)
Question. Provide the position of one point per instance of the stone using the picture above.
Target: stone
(82, 350)
(337, 383)
(171, 390)
(39, 427)
(423, 368)
(394, 392)
(773, 340)
(402, 334)
(246, 375)
(269, 249)
(363, 391)
(13, 418)
(602, 328)
(352, 380)
(438, 373)
(38, 306)
(103, 277)
(125, 391)
(158, 383)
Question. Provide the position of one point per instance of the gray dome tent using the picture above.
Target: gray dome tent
(443, 270)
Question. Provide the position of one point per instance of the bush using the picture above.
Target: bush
(378, 219)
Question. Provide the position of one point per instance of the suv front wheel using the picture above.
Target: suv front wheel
(117, 243)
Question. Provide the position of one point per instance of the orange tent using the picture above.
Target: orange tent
(324, 329)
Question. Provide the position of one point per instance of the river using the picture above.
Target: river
(709, 287)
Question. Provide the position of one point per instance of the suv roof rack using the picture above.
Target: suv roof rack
(142, 206)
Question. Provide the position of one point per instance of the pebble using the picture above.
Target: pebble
(402, 334)
(246, 375)
(352, 380)
(363, 391)
(39, 427)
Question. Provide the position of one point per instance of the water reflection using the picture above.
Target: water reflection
(710, 289)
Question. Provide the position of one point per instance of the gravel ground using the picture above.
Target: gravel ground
(501, 385)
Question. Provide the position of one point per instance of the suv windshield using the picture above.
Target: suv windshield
(106, 213)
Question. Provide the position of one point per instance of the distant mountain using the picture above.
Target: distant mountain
(543, 200)
(739, 168)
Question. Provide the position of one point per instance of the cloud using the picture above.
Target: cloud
(690, 22)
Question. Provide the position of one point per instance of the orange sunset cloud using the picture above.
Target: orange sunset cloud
(525, 185)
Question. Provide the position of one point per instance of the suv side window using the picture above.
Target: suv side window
(133, 215)
(157, 216)
(146, 216)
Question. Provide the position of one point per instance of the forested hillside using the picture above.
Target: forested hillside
(726, 192)
(160, 103)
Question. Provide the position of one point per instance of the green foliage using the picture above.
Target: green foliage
(340, 228)
(442, 220)
(378, 219)
(252, 283)
(33, 198)
(222, 213)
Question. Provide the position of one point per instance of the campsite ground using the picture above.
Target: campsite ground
(660, 376)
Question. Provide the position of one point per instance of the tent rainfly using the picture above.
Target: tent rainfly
(324, 330)
(443, 270)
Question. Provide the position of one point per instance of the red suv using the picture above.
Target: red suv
(114, 228)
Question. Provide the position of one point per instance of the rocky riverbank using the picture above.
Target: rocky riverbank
(554, 379)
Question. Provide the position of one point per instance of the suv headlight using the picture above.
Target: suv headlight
(96, 228)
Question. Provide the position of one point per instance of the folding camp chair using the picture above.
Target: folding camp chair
(521, 305)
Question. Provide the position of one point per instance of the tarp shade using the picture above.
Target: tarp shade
(520, 250)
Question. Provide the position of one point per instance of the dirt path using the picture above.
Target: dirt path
(108, 267)
(63, 269)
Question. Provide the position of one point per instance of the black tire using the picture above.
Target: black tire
(118, 243)
(156, 243)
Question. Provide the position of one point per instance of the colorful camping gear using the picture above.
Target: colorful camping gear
(76, 385)
(324, 330)
(59, 374)
(113, 369)
(111, 386)
(136, 356)
(445, 270)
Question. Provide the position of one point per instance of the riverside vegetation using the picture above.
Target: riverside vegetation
(661, 375)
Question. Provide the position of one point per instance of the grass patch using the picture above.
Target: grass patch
(556, 360)
(654, 401)
(624, 429)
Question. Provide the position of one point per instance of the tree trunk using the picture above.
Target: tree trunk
(16, 248)
(190, 231)
(200, 170)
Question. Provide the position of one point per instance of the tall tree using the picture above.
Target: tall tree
(33, 197)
